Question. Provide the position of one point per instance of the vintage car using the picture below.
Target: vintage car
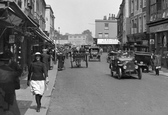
(94, 53)
(111, 55)
(145, 59)
(125, 65)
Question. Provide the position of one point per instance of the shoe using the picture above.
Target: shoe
(38, 108)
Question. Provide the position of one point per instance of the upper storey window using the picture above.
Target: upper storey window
(106, 26)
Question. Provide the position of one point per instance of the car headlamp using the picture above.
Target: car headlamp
(141, 62)
(136, 66)
(124, 67)
(135, 61)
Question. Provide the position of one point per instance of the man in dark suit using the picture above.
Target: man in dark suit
(46, 58)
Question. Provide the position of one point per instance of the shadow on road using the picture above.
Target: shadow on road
(123, 77)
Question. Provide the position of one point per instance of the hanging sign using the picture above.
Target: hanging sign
(152, 41)
(11, 39)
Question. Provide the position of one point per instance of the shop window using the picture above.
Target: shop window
(132, 6)
(144, 3)
(144, 23)
(159, 5)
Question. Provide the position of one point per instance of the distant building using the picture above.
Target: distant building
(63, 39)
(105, 31)
(77, 39)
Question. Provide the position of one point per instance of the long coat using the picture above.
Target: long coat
(46, 60)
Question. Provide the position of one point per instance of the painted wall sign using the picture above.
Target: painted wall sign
(159, 28)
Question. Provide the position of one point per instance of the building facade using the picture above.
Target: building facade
(77, 39)
(20, 34)
(158, 27)
(123, 25)
(49, 17)
(106, 29)
(138, 29)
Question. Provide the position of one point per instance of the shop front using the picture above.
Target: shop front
(108, 44)
(137, 42)
(159, 39)
(15, 35)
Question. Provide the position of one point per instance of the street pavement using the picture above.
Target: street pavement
(92, 91)
(26, 100)
(163, 72)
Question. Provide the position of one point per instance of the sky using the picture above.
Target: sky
(75, 16)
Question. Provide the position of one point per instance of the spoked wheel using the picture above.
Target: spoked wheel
(99, 59)
(140, 73)
(86, 64)
(71, 64)
(111, 70)
(89, 58)
(119, 73)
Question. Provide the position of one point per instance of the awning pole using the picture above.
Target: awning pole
(3, 32)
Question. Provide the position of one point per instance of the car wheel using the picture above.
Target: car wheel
(119, 73)
(112, 73)
(157, 71)
(140, 73)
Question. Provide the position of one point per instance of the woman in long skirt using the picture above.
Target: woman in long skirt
(37, 78)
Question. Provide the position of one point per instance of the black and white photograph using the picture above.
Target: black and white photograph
(83, 57)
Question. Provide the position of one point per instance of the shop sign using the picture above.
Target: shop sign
(107, 41)
(11, 39)
(152, 41)
(159, 28)
(145, 42)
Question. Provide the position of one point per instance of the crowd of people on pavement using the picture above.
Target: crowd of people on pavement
(37, 80)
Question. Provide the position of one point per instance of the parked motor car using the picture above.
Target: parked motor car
(145, 59)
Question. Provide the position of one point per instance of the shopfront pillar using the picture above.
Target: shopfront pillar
(156, 43)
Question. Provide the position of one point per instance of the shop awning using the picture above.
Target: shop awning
(10, 12)
(41, 34)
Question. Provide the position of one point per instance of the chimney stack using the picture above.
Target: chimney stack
(109, 17)
(114, 17)
(105, 18)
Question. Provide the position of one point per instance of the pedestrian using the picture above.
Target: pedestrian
(166, 60)
(37, 78)
(61, 59)
(101, 51)
(152, 60)
(46, 59)
(9, 82)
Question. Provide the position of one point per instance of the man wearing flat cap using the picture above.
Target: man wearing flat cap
(46, 58)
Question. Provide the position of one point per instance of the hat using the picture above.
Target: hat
(45, 50)
(37, 53)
